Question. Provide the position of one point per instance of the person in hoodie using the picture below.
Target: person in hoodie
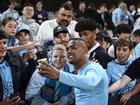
(26, 18)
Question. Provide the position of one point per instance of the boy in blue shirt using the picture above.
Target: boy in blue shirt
(46, 91)
(118, 67)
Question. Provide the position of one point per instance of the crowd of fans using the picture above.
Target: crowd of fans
(87, 56)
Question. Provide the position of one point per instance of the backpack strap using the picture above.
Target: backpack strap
(47, 91)
(66, 68)
(60, 88)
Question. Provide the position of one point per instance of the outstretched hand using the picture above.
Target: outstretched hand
(48, 70)
(125, 97)
(13, 101)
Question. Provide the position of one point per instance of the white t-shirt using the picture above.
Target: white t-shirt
(45, 32)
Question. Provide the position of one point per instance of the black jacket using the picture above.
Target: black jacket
(19, 74)
(100, 55)
(107, 19)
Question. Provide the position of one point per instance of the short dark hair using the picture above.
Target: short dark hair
(6, 20)
(99, 26)
(2, 35)
(103, 35)
(66, 6)
(123, 28)
(38, 1)
(136, 33)
(124, 41)
(79, 41)
(27, 4)
(104, 5)
(85, 24)
(11, 1)
(82, 2)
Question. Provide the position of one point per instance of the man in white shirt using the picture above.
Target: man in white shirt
(64, 18)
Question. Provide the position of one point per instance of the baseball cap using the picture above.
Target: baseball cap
(22, 28)
(59, 29)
